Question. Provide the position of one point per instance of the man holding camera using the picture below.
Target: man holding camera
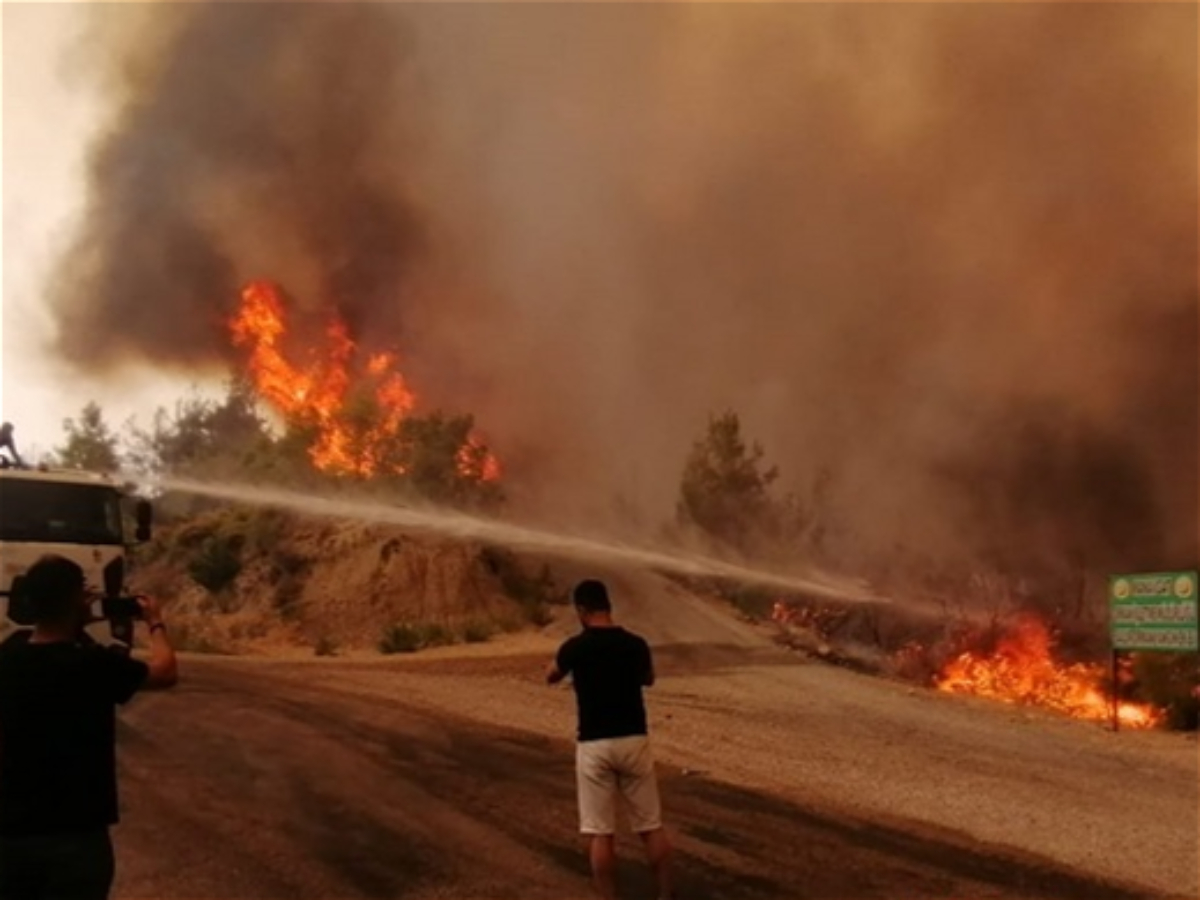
(58, 778)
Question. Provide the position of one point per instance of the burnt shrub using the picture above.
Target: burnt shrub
(400, 638)
(534, 594)
(477, 631)
(406, 637)
(216, 564)
(1169, 681)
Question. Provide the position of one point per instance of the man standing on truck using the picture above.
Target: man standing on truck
(7, 443)
(58, 778)
(609, 667)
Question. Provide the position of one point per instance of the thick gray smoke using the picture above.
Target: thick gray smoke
(248, 141)
(948, 251)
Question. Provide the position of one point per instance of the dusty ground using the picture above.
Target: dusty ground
(448, 774)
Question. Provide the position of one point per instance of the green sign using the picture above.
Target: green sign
(1155, 611)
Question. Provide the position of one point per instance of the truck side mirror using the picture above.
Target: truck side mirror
(144, 515)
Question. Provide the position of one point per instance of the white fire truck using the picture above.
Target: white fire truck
(79, 515)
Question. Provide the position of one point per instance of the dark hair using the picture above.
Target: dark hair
(53, 585)
(592, 596)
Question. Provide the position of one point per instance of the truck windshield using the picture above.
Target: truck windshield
(53, 512)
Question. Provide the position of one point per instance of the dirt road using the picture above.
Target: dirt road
(448, 774)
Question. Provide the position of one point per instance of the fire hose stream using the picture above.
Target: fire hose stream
(461, 525)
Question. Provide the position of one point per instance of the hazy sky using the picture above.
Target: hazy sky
(49, 120)
(937, 256)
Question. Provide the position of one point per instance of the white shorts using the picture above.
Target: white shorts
(612, 767)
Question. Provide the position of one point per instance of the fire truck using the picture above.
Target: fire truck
(92, 519)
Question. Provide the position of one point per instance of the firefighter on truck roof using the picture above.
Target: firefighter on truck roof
(7, 443)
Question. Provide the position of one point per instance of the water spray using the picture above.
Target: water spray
(452, 523)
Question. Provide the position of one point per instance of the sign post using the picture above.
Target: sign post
(1152, 612)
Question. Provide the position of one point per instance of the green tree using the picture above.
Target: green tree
(234, 425)
(199, 431)
(725, 487)
(90, 443)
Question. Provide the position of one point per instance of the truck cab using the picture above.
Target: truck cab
(83, 516)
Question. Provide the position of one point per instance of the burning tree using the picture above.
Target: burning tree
(353, 412)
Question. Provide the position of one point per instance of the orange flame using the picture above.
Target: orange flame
(317, 392)
(476, 462)
(1023, 670)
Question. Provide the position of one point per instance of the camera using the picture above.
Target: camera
(114, 608)
(117, 609)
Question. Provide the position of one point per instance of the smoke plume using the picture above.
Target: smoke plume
(249, 140)
(947, 251)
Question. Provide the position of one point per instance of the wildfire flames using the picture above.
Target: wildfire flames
(1021, 670)
(319, 391)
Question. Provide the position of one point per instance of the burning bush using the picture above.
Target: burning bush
(1018, 660)
(1022, 668)
(441, 460)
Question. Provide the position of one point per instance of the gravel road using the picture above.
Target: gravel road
(448, 774)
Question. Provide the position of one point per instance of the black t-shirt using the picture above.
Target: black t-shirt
(58, 770)
(609, 667)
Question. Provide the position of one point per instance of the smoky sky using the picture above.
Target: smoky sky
(946, 252)
(247, 141)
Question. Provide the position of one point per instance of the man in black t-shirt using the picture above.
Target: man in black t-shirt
(609, 666)
(58, 778)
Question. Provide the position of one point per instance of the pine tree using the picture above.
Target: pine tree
(90, 443)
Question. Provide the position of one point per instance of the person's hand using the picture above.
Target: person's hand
(92, 600)
(152, 613)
